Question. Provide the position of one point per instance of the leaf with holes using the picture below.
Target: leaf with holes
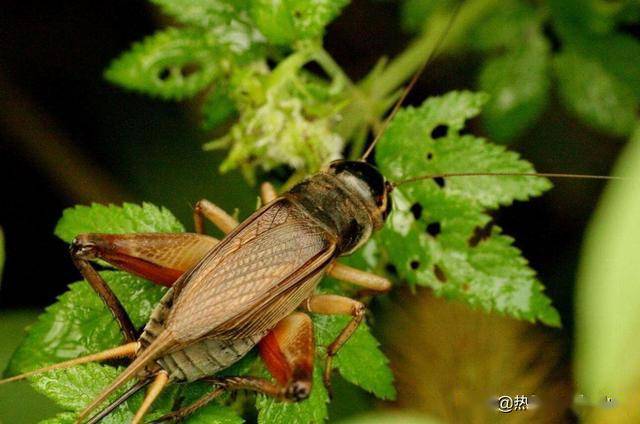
(439, 234)
(284, 22)
(179, 62)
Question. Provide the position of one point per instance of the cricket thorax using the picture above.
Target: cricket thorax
(340, 207)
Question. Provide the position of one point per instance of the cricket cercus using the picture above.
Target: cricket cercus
(248, 289)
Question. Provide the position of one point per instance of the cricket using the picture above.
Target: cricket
(254, 288)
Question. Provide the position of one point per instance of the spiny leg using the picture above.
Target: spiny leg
(287, 351)
(221, 219)
(331, 304)
(368, 280)
(159, 383)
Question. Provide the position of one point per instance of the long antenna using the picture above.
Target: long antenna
(507, 174)
(432, 55)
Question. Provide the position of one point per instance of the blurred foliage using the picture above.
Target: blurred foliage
(608, 299)
(595, 66)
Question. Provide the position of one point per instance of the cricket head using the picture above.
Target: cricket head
(365, 181)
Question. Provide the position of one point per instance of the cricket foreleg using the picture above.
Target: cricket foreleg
(287, 352)
(159, 257)
(221, 219)
(371, 282)
(330, 304)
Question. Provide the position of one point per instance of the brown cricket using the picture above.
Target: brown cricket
(248, 289)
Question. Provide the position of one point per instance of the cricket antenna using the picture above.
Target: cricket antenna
(432, 55)
(506, 174)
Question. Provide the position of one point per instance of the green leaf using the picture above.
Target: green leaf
(79, 323)
(62, 418)
(360, 361)
(608, 294)
(518, 83)
(287, 21)
(310, 411)
(214, 413)
(204, 13)
(408, 149)
(179, 62)
(595, 95)
(452, 248)
(128, 218)
(510, 26)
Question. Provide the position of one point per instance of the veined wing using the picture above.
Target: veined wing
(270, 253)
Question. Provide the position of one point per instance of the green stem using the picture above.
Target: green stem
(408, 62)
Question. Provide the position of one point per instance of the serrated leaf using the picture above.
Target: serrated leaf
(128, 218)
(79, 323)
(438, 236)
(595, 95)
(360, 361)
(310, 411)
(518, 83)
(214, 413)
(179, 62)
(408, 149)
(205, 13)
(287, 21)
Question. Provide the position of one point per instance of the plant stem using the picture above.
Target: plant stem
(408, 62)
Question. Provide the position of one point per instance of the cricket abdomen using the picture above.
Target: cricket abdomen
(205, 358)
(201, 359)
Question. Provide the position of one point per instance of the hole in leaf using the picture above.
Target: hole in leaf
(551, 34)
(439, 273)
(414, 264)
(316, 69)
(391, 269)
(433, 229)
(297, 13)
(416, 210)
(189, 69)
(439, 132)
(480, 234)
(164, 74)
(429, 156)
(440, 181)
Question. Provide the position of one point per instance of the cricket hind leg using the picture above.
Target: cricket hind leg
(288, 353)
(330, 304)
(159, 257)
